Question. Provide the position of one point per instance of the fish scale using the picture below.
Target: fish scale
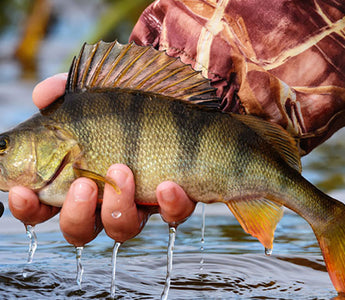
(115, 110)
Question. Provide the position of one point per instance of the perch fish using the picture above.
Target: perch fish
(137, 106)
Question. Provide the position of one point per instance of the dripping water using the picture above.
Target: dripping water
(113, 274)
(31, 234)
(80, 269)
(172, 236)
(202, 241)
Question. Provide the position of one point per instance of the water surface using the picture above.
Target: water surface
(234, 266)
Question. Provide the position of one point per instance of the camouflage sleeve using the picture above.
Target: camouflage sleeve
(281, 60)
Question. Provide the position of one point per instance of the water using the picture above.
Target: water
(113, 273)
(268, 251)
(80, 268)
(225, 264)
(202, 240)
(234, 266)
(170, 251)
(30, 232)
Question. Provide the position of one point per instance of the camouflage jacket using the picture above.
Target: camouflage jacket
(281, 60)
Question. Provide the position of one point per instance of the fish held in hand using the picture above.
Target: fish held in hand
(137, 106)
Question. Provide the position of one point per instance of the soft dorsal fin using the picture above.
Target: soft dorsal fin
(115, 66)
(279, 138)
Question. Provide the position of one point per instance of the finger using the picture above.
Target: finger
(78, 218)
(120, 216)
(175, 206)
(49, 90)
(26, 207)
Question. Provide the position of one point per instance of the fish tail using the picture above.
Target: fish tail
(331, 239)
(326, 216)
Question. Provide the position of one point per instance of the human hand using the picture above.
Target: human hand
(80, 220)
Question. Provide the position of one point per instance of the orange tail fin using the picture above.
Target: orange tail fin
(332, 243)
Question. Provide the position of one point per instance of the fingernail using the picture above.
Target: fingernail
(18, 202)
(168, 194)
(120, 177)
(82, 191)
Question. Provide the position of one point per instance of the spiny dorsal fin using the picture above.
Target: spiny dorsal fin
(279, 138)
(116, 66)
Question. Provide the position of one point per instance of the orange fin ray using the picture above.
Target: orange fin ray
(259, 218)
(332, 244)
(92, 175)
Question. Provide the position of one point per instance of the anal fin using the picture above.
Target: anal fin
(258, 217)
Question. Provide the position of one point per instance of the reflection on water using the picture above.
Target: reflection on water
(234, 265)
(230, 265)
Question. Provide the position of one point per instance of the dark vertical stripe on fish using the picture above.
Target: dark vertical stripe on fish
(190, 127)
(130, 115)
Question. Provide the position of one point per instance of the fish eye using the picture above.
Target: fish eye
(4, 141)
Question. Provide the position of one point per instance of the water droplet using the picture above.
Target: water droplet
(116, 214)
(268, 251)
(172, 236)
(80, 269)
(201, 264)
(113, 274)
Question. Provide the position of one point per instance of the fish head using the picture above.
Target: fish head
(17, 159)
(34, 154)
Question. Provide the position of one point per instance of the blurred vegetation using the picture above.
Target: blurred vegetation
(328, 163)
(12, 11)
(33, 19)
(118, 14)
(35, 28)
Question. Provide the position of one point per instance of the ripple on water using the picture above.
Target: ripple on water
(234, 264)
(248, 276)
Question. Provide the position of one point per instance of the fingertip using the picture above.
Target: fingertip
(80, 202)
(78, 221)
(26, 207)
(48, 90)
(175, 206)
(21, 199)
(82, 190)
(120, 216)
(122, 175)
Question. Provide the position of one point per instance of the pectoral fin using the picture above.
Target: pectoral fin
(259, 218)
(79, 172)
